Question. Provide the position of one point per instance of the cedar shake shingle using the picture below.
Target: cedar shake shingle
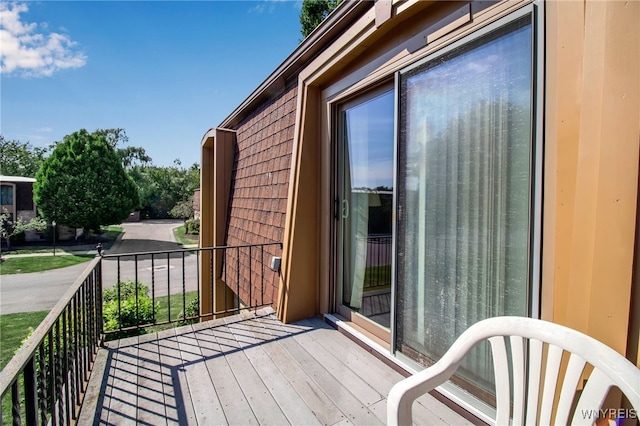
(258, 196)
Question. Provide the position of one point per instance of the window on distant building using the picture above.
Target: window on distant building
(6, 195)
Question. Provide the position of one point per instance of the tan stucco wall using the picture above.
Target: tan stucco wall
(592, 143)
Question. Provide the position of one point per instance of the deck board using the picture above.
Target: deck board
(123, 386)
(151, 399)
(315, 398)
(265, 408)
(246, 370)
(289, 401)
(232, 400)
(337, 390)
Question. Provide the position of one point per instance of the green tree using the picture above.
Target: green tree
(83, 184)
(162, 188)
(183, 209)
(130, 155)
(10, 228)
(314, 12)
(20, 158)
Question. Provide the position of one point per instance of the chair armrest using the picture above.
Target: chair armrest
(405, 392)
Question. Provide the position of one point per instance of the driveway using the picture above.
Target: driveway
(40, 291)
(145, 236)
(166, 273)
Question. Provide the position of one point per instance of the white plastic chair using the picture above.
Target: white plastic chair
(530, 406)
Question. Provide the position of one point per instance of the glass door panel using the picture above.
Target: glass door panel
(464, 194)
(366, 205)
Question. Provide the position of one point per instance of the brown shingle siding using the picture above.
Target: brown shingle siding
(258, 197)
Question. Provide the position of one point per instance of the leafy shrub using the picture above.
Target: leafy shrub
(191, 310)
(129, 314)
(127, 289)
(192, 226)
(182, 209)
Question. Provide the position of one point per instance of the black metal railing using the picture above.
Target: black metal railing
(378, 266)
(149, 289)
(46, 380)
(47, 377)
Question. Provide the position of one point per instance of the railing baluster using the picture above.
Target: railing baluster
(169, 286)
(119, 296)
(212, 280)
(198, 283)
(91, 312)
(52, 379)
(135, 263)
(90, 315)
(98, 283)
(184, 290)
(65, 365)
(250, 278)
(76, 350)
(15, 403)
(262, 275)
(85, 341)
(153, 287)
(42, 383)
(224, 265)
(59, 374)
(237, 278)
(30, 392)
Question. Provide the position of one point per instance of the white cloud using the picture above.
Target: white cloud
(268, 6)
(26, 51)
(258, 8)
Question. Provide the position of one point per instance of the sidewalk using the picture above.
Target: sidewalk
(66, 251)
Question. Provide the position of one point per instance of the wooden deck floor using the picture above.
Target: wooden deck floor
(244, 371)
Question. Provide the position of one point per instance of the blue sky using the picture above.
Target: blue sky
(164, 71)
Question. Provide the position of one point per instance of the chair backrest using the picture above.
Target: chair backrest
(536, 350)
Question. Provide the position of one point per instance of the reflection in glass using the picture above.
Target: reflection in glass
(367, 206)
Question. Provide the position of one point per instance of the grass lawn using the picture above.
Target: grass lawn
(23, 265)
(176, 305)
(184, 238)
(111, 233)
(14, 328)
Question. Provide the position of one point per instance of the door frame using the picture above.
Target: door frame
(336, 106)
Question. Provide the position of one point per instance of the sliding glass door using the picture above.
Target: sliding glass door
(441, 167)
(464, 194)
(366, 205)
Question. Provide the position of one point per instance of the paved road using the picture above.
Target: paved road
(144, 237)
(41, 290)
(38, 291)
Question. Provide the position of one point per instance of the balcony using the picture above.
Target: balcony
(245, 368)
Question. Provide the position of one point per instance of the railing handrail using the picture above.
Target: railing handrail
(13, 368)
(183, 250)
